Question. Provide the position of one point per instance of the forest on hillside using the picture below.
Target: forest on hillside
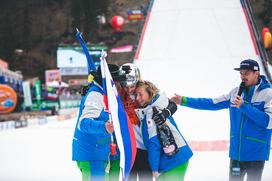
(31, 30)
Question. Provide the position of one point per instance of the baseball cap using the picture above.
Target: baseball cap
(249, 64)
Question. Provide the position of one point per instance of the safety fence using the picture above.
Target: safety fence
(38, 120)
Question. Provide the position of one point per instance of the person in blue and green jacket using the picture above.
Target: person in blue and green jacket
(163, 166)
(250, 107)
(92, 136)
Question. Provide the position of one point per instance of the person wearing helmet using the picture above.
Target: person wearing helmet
(128, 85)
(127, 93)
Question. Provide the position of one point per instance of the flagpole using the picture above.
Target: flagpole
(112, 144)
(122, 174)
(122, 130)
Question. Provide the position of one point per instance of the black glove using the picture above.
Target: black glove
(172, 107)
(161, 116)
(84, 89)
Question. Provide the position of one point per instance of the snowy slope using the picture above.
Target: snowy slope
(38, 153)
(191, 48)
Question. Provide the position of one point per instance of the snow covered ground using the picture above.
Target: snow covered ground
(44, 153)
(38, 153)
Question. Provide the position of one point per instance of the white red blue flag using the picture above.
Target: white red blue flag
(122, 127)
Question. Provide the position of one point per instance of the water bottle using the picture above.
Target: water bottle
(166, 138)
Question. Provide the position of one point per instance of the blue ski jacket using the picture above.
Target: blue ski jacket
(250, 125)
(91, 140)
(158, 160)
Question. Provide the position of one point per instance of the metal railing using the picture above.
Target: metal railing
(148, 9)
(257, 38)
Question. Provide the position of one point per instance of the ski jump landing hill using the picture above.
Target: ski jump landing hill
(191, 48)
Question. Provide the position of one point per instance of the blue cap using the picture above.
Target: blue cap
(249, 65)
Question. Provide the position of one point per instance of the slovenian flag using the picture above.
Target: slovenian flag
(122, 127)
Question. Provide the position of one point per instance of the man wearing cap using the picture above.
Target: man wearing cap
(92, 132)
(250, 120)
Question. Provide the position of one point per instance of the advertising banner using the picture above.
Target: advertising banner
(27, 94)
(52, 76)
(8, 99)
(3, 64)
(122, 49)
(72, 56)
(135, 15)
(38, 93)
